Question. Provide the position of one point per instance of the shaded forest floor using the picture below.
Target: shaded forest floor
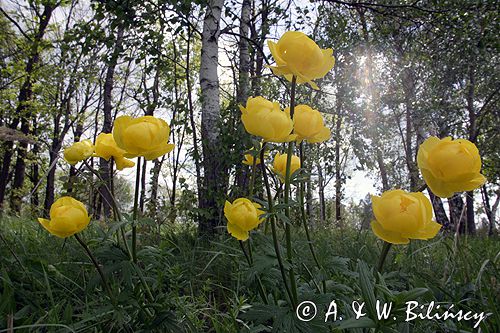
(49, 284)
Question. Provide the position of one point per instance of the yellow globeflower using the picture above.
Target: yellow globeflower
(144, 136)
(401, 215)
(265, 119)
(279, 165)
(67, 217)
(105, 147)
(78, 151)
(296, 54)
(450, 166)
(308, 124)
(242, 216)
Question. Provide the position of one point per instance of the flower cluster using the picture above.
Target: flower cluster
(132, 137)
(447, 166)
(300, 60)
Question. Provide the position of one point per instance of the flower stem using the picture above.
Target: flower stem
(383, 255)
(288, 236)
(252, 179)
(96, 264)
(250, 264)
(273, 226)
(136, 204)
(304, 217)
(114, 205)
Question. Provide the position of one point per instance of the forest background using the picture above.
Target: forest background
(404, 70)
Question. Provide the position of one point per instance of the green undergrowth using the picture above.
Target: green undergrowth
(49, 285)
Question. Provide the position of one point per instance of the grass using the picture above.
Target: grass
(49, 285)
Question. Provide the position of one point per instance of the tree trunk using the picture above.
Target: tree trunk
(321, 194)
(210, 118)
(469, 199)
(107, 126)
(457, 213)
(488, 210)
(338, 169)
(260, 39)
(439, 211)
(241, 172)
(196, 150)
(374, 101)
(23, 115)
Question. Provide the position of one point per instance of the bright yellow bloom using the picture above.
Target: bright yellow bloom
(67, 217)
(265, 119)
(249, 160)
(296, 54)
(279, 165)
(308, 124)
(450, 166)
(242, 216)
(401, 215)
(144, 136)
(105, 147)
(78, 151)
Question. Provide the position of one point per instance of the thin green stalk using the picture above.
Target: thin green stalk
(383, 255)
(304, 217)
(250, 263)
(136, 204)
(273, 226)
(114, 205)
(252, 179)
(288, 235)
(96, 264)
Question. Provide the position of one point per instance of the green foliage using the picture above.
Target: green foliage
(48, 282)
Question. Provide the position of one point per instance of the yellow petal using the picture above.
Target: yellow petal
(122, 163)
(388, 236)
(437, 186)
(322, 136)
(119, 126)
(160, 151)
(237, 232)
(429, 231)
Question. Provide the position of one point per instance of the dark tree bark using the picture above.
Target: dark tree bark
(488, 210)
(107, 126)
(194, 130)
(321, 193)
(439, 211)
(338, 168)
(241, 172)
(23, 115)
(473, 132)
(457, 213)
(260, 37)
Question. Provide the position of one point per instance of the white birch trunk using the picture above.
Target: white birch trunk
(210, 117)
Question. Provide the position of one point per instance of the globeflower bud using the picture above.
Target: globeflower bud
(297, 55)
(78, 151)
(105, 147)
(279, 165)
(242, 216)
(401, 215)
(450, 166)
(144, 136)
(67, 217)
(265, 119)
(308, 124)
